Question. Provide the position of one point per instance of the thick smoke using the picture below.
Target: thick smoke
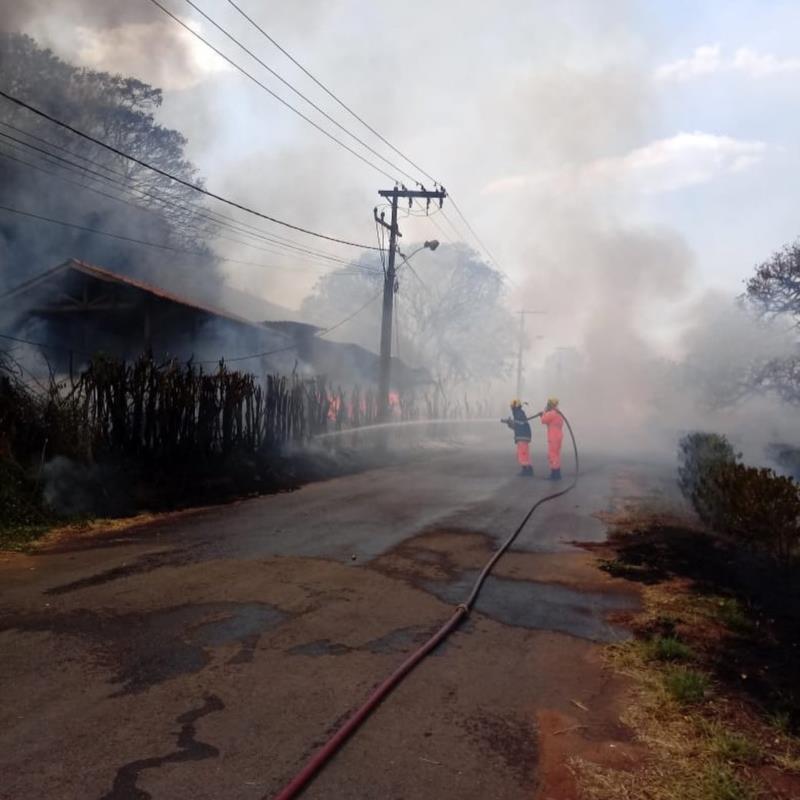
(638, 353)
(40, 14)
(544, 141)
(76, 191)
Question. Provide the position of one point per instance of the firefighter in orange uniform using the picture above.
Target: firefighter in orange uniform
(551, 417)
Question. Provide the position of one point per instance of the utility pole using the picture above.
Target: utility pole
(522, 314)
(390, 281)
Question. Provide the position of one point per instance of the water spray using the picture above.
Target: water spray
(410, 423)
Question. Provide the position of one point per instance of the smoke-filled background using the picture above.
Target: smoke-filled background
(627, 164)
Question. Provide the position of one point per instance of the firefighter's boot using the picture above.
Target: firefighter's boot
(555, 474)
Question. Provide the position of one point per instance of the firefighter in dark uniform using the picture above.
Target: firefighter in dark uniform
(518, 423)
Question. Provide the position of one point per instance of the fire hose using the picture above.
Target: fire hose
(327, 751)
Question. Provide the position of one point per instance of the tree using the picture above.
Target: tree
(775, 286)
(450, 314)
(115, 109)
(774, 290)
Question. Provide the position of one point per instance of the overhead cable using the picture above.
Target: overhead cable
(237, 224)
(134, 240)
(305, 254)
(266, 88)
(289, 85)
(44, 115)
(330, 93)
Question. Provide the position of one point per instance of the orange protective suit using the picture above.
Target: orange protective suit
(555, 435)
(524, 454)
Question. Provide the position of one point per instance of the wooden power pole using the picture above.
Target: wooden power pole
(390, 283)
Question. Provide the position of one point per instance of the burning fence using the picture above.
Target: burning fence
(170, 412)
(167, 431)
(148, 433)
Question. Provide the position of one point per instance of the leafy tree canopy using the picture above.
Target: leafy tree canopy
(134, 202)
(450, 314)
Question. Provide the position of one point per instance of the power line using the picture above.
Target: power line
(347, 108)
(294, 346)
(191, 208)
(344, 105)
(293, 88)
(454, 231)
(356, 269)
(175, 178)
(472, 230)
(351, 316)
(134, 240)
(407, 263)
(41, 344)
(330, 93)
(480, 242)
(397, 326)
(30, 146)
(66, 150)
(289, 86)
(195, 226)
(266, 88)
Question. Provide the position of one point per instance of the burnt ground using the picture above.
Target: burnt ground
(715, 612)
(207, 654)
(754, 650)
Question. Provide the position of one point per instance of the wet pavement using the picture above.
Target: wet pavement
(207, 655)
(541, 606)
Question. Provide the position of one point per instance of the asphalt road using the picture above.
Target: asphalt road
(208, 654)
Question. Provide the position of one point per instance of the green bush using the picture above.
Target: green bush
(755, 506)
(699, 454)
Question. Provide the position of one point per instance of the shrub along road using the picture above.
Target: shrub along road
(207, 654)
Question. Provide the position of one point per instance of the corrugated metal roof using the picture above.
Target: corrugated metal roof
(109, 276)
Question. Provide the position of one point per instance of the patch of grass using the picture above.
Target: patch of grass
(683, 776)
(668, 648)
(720, 782)
(734, 747)
(781, 721)
(23, 517)
(707, 732)
(686, 686)
(732, 615)
(20, 536)
(788, 760)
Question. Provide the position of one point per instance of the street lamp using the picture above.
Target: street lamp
(431, 245)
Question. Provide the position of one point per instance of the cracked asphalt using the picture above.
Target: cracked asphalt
(207, 654)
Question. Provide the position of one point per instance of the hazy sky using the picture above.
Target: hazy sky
(661, 134)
